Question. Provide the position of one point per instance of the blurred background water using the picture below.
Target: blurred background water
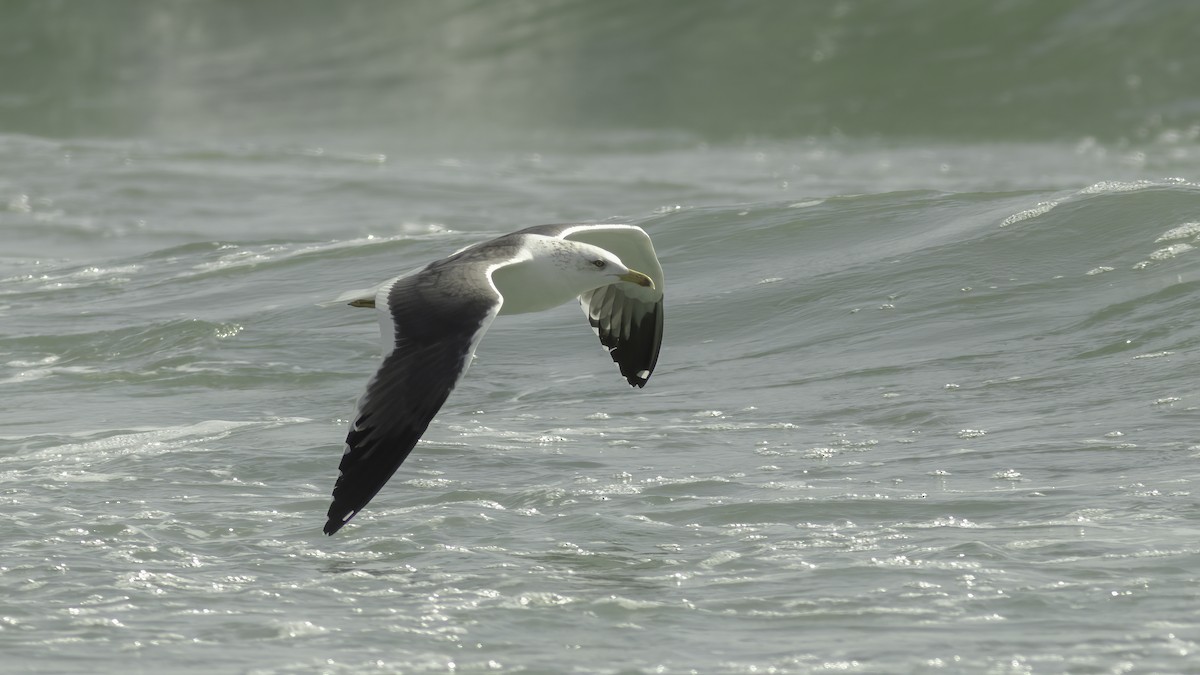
(927, 400)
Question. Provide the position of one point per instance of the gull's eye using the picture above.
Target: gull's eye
(599, 264)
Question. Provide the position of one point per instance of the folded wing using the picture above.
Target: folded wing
(627, 318)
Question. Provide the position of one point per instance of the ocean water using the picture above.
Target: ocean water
(928, 397)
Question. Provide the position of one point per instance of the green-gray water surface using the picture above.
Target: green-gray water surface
(928, 397)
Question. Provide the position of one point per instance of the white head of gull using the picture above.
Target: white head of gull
(433, 319)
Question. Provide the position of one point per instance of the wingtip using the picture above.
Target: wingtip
(333, 523)
(638, 379)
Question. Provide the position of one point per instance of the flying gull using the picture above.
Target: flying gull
(432, 320)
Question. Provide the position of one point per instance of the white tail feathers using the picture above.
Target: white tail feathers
(361, 295)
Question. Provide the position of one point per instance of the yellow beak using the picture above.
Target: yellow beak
(638, 278)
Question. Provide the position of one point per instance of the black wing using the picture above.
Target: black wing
(630, 329)
(434, 335)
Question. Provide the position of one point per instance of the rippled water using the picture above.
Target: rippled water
(924, 403)
(960, 422)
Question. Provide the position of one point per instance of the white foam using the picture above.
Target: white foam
(45, 361)
(145, 441)
(248, 257)
(1040, 209)
(804, 204)
(1165, 253)
(1107, 186)
(79, 278)
(1182, 232)
(40, 373)
(103, 272)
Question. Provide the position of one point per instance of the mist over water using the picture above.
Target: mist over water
(720, 70)
(927, 399)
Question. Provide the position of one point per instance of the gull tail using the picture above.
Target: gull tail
(362, 297)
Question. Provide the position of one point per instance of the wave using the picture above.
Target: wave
(710, 68)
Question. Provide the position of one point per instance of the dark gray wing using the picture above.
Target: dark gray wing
(627, 318)
(437, 318)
